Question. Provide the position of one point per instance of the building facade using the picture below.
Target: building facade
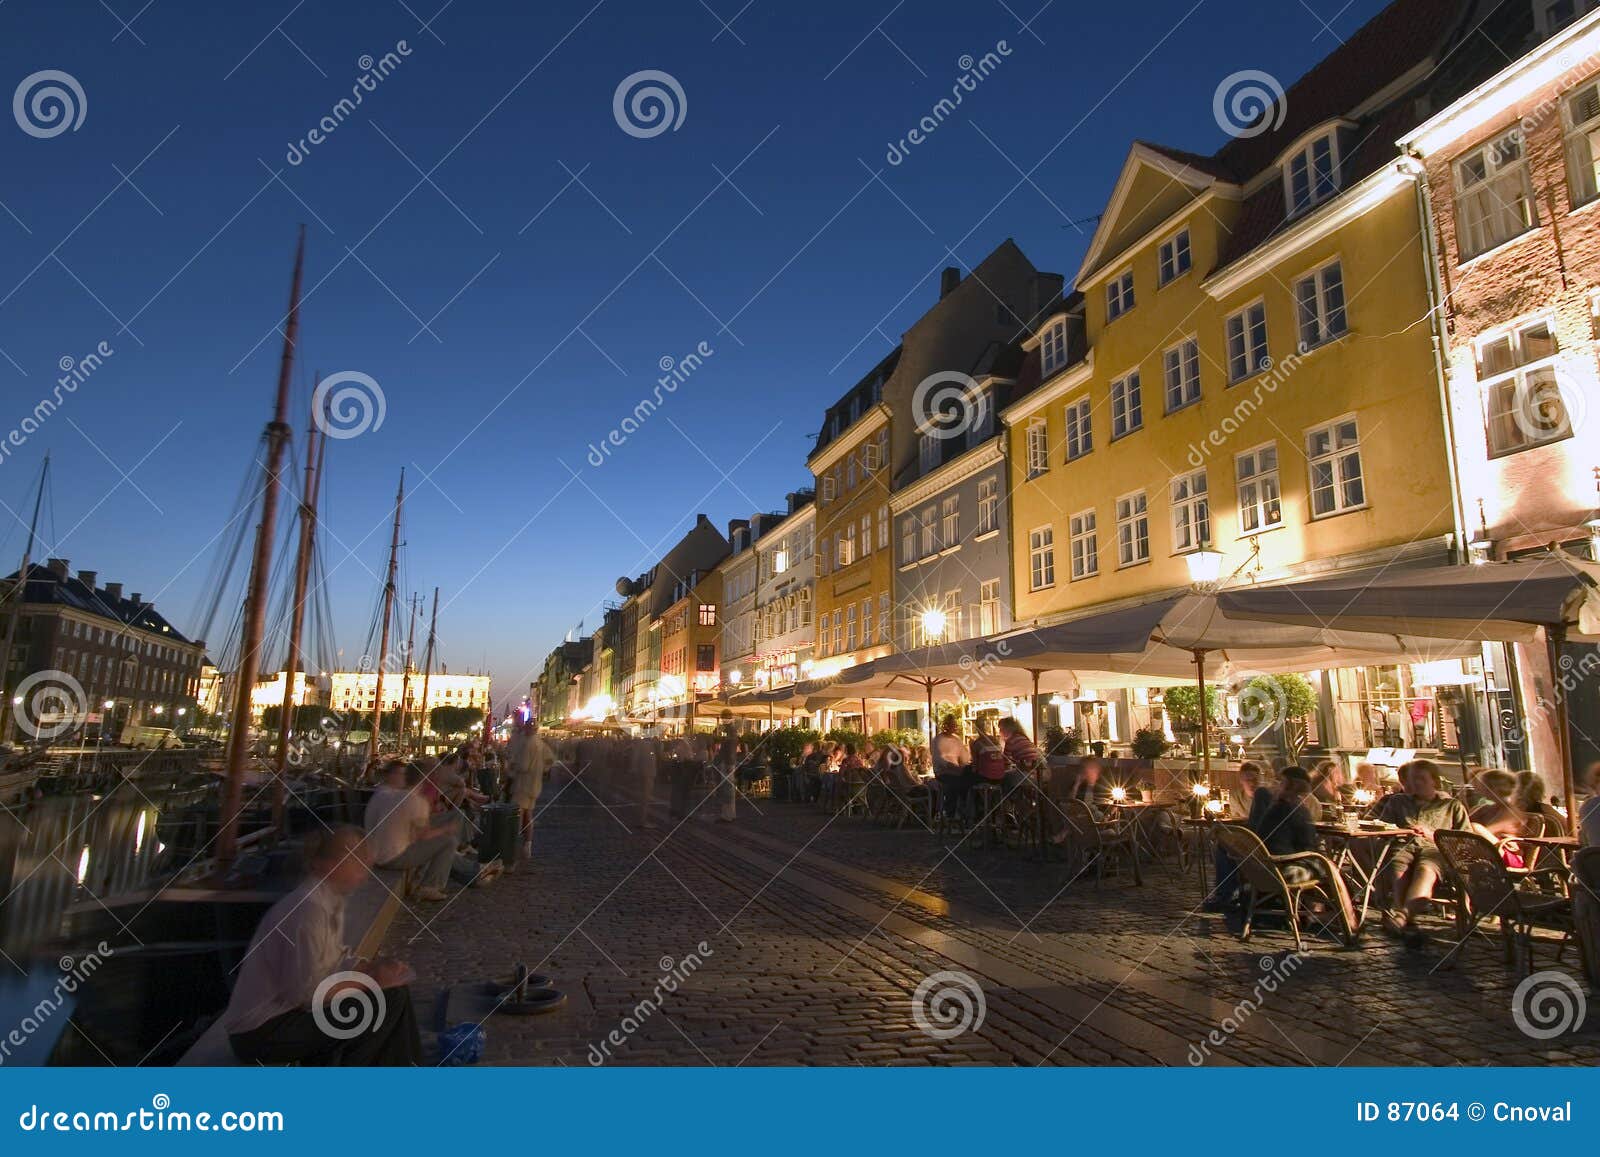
(783, 620)
(354, 693)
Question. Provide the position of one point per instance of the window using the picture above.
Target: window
(866, 621)
(805, 606)
(1133, 530)
(827, 488)
(1333, 453)
(930, 532)
(1174, 257)
(1551, 16)
(989, 605)
(1119, 296)
(705, 657)
(1085, 548)
(1523, 401)
(1191, 512)
(866, 535)
(883, 527)
(1042, 558)
(1247, 342)
(871, 459)
(908, 540)
(883, 617)
(708, 614)
(1127, 406)
(1319, 302)
(1580, 114)
(1038, 448)
(1494, 196)
(850, 627)
(850, 473)
(780, 561)
(927, 451)
(1260, 507)
(988, 504)
(1182, 364)
(1080, 437)
(847, 545)
(838, 632)
(950, 532)
(1053, 348)
(1312, 175)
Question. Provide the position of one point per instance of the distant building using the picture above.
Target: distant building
(354, 692)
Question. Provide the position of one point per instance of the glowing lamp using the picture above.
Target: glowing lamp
(1214, 806)
(933, 623)
(1200, 790)
(736, 676)
(1119, 794)
(1205, 567)
(1363, 796)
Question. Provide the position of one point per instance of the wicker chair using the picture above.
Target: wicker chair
(1092, 841)
(1270, 878)
(1486, 889)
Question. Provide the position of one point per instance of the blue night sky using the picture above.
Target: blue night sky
(511, 267)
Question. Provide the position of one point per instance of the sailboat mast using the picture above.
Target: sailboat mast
(255, 605)
(20, 593)
(388, 613)
(315, 448)
(427, 671)
(405, 679)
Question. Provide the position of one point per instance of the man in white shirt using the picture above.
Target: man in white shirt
(300, 997)
(400, 833)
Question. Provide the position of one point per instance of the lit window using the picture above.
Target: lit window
(1119, 296)
(930, 532)
(1038, 448)
(708, 614)
(908, 540)
(1247, 342)
(1080, 435)
(1133, 530)
(1127, 406)
(1085, 545)
(1042, 557)
(1494, 195)
(1053, 348)
(1260, 504)
(1191, 511)
(1319, 303)
(950, 531)
(1182, 367)
(989, 605)
(928, 451)
(780, 561)
(1523, 400)
(883, 526)
(1581, 118)
(1174, 257)
(1312, 175)
(988, 504)
(1333, 453)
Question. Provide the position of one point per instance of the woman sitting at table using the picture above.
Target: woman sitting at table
(1423, 809)
(1246, 795)
(1531, 800)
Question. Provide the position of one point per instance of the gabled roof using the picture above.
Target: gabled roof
(1174, 164)
(46, 587)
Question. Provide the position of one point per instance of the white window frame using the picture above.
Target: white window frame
(1133, 529)
(1246, 335)
(828, 490)
(1320, 186)
(988, 606)
(1119, 295)
(866, 536)
(1079, 417)
(1041, 558)
(1498, 206)
(910, 528)
(950, 522)
(1534, 387)
(1259, 491)
(1174, 257)
(1316, 327)
(1053, 348)
(1084, 542)
(988, 504)
(930, 531)
(1582, 137)
(1038, 443)
(1180, 375)
(883, 526)
(1191, 511)
(1337, 457)
(928, 452)
(1127, 405)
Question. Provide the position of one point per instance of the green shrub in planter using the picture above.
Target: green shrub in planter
(1148, 743)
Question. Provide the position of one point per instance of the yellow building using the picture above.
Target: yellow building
(354, 691)
(691, 670)
(1256, 374)
(269, 693)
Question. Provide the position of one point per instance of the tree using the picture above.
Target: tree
(1284, 701)
(1183, 706)
(454, 720)
(306, 717)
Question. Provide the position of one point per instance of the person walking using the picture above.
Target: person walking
(527, 760)
(727, 764)
(642, 772)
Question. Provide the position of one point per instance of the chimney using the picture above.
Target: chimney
(735, 525)
(87, 577)
(136, 599)
(59, 568)
(114, 592)
(948, 280)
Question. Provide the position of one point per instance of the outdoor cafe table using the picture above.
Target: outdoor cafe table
(1129, 810)
(1381, 842)
(1561, 846)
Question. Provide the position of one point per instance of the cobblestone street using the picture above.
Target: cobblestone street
(795, 937)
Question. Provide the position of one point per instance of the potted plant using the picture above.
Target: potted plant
(1149, 743)
(1183, 708)
(1281, 701)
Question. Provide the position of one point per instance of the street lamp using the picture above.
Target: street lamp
(933, 623)
(1205, 567)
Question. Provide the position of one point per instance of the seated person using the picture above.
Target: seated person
(1250, 798)
(1532, 800)
(1327, 788)
(1090, 786)
(1022, 756)
(952, 768)
(1285, 827)
(1496, 815)
(1423, 809)
(1241, 797)
(297, 960)
(401, 834)
(1589, 810)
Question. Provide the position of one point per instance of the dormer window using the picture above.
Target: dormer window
(1311, 176)
(1174, 257)
(1551, 16)
(1053, 348)
(1119, 296)
(1494, 196)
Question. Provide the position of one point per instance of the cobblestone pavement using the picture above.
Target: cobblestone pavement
(795, 937)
